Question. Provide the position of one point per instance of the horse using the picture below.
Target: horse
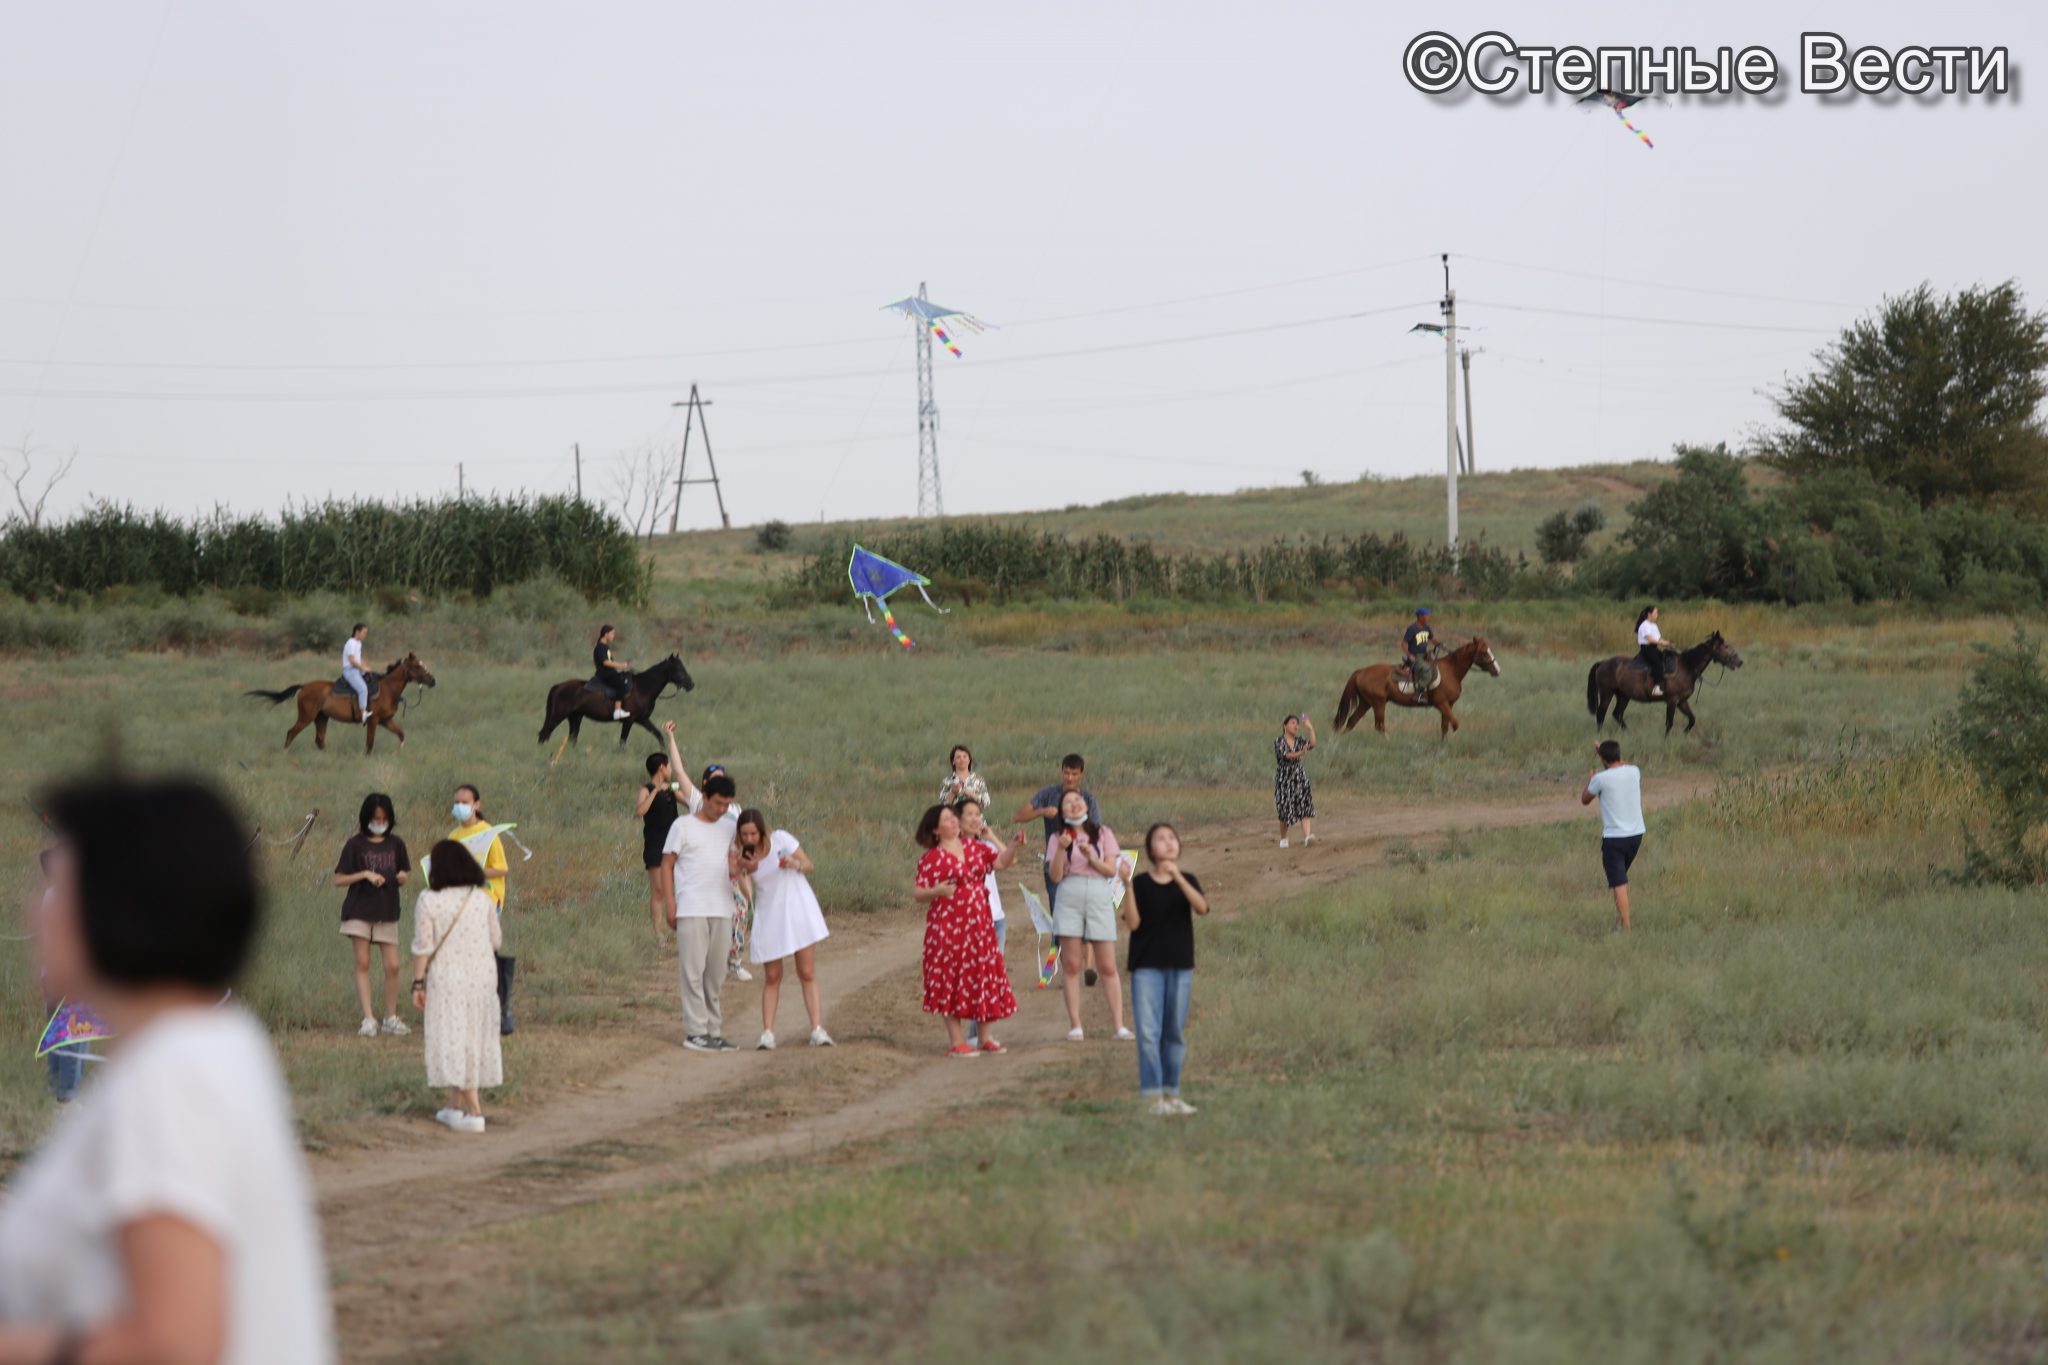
(1623, 679)
(576, 701)
(320, 702)
(1375, 686)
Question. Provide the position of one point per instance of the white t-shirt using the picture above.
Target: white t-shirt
(703, 887)
(190, 1119)
(995, 897)
(352, 654)
(1620, 790)
(1648, 634)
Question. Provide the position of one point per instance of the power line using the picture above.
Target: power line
(1659, 322)
(1659, 284)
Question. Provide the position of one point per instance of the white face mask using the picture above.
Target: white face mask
(462, 811)
(1076, 820)
(379, 827)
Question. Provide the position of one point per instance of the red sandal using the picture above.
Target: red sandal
(963, 1050)
(991, 1045)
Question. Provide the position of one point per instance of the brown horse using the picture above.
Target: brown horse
(1377, 685)
(320, 702)
(1623, 679)
(578, 700)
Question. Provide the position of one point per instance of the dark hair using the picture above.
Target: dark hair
(710, 769)
(1644, 614)
(1152, 831)
(373, 803)
(960, 806)
(605, 629)
(720, 785)
(450, 864)
(757, 820)
(476, 798)
(166, 890)
(1291, 715)
(1089, 824)
(1610, 751)
(961, 749)
(1074, 761)
(356, 627)
(928, 827)
(654, 762)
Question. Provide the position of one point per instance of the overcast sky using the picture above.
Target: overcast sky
(259, 251)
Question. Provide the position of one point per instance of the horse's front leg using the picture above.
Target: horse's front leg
(391, 723)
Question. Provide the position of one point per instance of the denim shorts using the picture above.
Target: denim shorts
(1617, 855)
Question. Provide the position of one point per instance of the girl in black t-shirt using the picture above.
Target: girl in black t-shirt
(608, 675)
(657, 805)
(373, 865)
(1159, 907)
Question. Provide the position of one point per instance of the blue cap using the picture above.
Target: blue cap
(711, 770)
(1422, 611)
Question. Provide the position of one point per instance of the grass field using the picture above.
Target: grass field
(1446, 1114)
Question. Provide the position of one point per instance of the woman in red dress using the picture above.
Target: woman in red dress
(963, 968)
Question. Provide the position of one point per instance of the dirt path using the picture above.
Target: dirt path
(674, 1115)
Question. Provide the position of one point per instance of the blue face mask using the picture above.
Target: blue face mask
(463, 812)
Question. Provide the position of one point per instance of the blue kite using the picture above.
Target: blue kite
(874, 578)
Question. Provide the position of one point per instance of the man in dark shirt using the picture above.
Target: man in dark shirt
(1045, 805)
(1419, 647)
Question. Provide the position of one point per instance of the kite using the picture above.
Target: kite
(73, 1026)
(874, 578)
(479, 845)
(933, 315)
(1620, 104)
(1041, 925)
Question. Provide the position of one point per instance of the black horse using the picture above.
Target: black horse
(576, 701)
(1623, 679)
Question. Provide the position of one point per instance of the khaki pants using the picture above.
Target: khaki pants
(702, 945)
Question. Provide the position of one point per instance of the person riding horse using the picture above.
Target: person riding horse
(352, 669)
(1651, 649)
(612, 676)
(1420, 648)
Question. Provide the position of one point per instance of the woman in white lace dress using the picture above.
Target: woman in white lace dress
(455, 938)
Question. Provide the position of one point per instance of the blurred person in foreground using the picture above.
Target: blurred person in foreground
(168, 1215)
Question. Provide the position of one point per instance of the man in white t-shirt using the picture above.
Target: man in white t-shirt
(352, 668)
(698, 860)
(1618, 787)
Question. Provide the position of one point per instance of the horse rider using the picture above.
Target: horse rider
(612, 676)
(1419, 648)
(1650, 648)
(352, 668)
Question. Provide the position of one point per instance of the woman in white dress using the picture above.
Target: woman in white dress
(168, 1215)
(788, 921)
(455, 940)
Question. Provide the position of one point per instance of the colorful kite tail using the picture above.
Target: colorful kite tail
(1047, 968)
(889, 619)
(940, 333)
(1633, 129)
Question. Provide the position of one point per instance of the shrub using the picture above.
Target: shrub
(771, 536)
(1561, 537)
(2000, 727)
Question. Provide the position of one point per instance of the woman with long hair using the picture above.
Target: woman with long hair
(608, 675)
(455, 938)
(1650, 647)
(1159, 909)
(963, 971)
(1082, 859)
(788, 921)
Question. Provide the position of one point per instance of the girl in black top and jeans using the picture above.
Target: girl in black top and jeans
(657, 807)
(1159, 909)
(609, 676)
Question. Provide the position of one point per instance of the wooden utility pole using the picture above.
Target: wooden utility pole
(458, 483)
(694, 416)
(579, 471)
(1450, 308)
(1471, 441)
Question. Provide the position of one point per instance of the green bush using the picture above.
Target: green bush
(2000, 727)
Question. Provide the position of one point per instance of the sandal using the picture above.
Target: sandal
(963, 1050)
(991, 1045)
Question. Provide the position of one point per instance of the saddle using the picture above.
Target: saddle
(370, 681)
(1635, 661)
(1410, 678)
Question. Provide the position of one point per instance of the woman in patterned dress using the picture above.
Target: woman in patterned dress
(1292, 799)
(455, 935)
(963, 971)
(961, 782)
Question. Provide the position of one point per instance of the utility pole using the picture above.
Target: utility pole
(459, 494)
(694, 415)
(579, 471)
(930, 503)
(1471, 441)
(1450, 309)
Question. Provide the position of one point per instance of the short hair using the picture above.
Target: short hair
(356, 627)
(167, 892)
(1074, 761)
(373, 803)
(475, 797)
(721, 785)
(928, 827)
(753, 817)
(1610, 751)
(451, 864)
(960, 749)
(654, 762)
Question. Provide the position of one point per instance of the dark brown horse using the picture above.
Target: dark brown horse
(576, 701)
(1624, 678)
(1379, 684)
(320, 702)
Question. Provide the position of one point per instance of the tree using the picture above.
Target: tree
(1939, 396)
(638, 483)
(18, 466)
(1561, 536)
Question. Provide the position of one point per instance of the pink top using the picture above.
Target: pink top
(1078, 866)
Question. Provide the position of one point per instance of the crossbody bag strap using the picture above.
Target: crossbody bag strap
(447, 934)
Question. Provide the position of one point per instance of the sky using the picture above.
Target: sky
(260, 253)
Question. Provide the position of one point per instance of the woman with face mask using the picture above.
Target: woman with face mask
(373, 865)
(1082, 861)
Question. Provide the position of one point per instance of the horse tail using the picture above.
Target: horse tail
(275, 697)
(1345, 703)
(1593, 691)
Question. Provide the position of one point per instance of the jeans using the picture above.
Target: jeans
(1159, 999)
(359, 685)
(67, 1069)
(1002, 942)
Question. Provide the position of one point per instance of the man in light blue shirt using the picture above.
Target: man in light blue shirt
(1618, 787)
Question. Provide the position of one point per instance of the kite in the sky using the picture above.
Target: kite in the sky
(479, 845)
(874, 578)
(1048, 938)
(72, 1028)
(1620, 104)
(934, 316)
(1438, 329)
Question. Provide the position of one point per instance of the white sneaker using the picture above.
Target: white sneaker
(1181, 1106)
(767, 1043)
(451, 1118)
(395, 1026)
(1074, 1035)
(471, 1123)
(368, 1029)
(618, 714)
(1124, 1035)
(1307, 840)
(1162, 1108)
(820, 1038)
(1283, 843)
(739, 974)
